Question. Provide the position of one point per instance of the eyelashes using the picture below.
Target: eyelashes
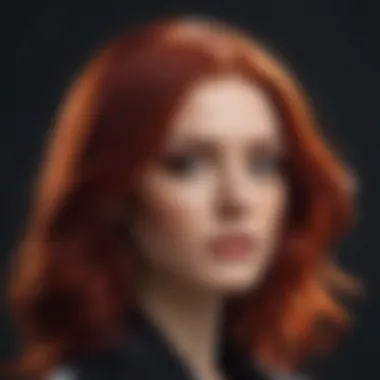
(181, 164)
(267, 164)
(193, 163)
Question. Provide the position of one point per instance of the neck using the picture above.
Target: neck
(189, 318)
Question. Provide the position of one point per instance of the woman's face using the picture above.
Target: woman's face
(210, 210)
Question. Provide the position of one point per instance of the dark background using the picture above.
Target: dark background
(332, 45)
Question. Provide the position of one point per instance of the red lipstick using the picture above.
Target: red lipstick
(233, 246)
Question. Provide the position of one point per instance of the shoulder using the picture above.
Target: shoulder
(272, 374)
(115, 364)
(64, 373)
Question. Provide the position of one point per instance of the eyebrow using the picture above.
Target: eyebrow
(265, 144)
(269, 146)
(188, 142)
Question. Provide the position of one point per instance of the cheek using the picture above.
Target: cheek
(171, 209)
(168, 216)
(269, 215)
(273, 206)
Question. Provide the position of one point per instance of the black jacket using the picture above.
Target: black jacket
(146, 355)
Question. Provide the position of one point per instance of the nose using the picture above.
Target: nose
(235, 194)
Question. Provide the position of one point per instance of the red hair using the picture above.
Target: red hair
(69, 286)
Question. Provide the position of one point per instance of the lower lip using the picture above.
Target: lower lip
(239, 250)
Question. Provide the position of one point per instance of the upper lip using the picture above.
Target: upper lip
(233, 241)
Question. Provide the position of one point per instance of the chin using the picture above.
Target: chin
(235, 283)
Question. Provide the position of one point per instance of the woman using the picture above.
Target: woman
(183, 218)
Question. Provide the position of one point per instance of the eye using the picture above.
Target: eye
(265, 164)
(183, 164)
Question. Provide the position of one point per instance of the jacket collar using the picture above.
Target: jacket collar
(149, 344)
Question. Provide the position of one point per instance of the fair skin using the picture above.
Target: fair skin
(209, 213)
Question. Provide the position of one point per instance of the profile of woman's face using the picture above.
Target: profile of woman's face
(211, 208)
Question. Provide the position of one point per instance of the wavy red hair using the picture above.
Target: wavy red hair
(70, 283)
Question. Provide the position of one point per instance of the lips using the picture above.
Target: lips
(233, 246)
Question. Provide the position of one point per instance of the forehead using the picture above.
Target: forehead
(226, 108)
